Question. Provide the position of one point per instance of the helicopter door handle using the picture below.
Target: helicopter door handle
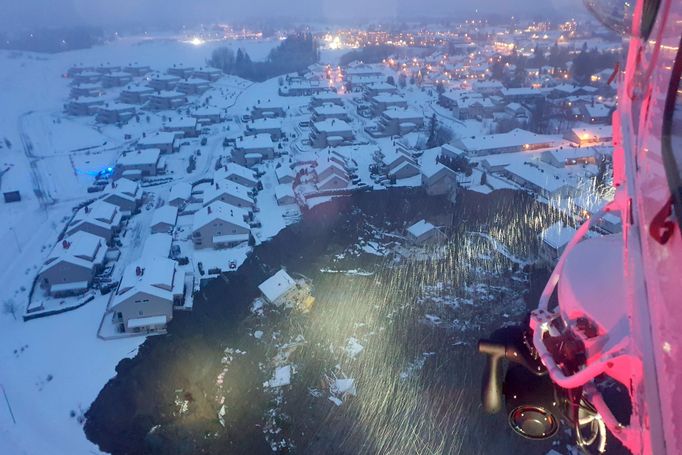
(491, 390)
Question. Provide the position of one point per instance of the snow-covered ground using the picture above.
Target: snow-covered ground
(54, 367)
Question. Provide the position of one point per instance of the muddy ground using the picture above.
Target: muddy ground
(417, 377)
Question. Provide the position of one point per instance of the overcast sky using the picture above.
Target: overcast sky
(20, 14)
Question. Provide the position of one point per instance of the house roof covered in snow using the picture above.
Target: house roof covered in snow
(277, 285)
(166, 214)
(218, 210)
(255, 142)
(557, 235)
(420, 228)
(140, 157)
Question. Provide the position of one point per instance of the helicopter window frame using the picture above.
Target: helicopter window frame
(649, 14)
(673, 102)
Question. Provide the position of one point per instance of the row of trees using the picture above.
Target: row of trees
(53, 40)
(583, 65)
(294, 54)
(368, 54)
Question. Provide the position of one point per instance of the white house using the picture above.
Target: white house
(180, 194)
(438, 179)
(219, 225)
(72, 264)
(137, 164)
(424, 233)
(164, 141)
(285, 174)
(164, 219)
(330, 132)
(333, 182)
(554, 241)
(145, 297)
(277, 288)
(284, 194)
(99, 218)
(236, 173)
(230, 193)
(252, 149)
(123, 193)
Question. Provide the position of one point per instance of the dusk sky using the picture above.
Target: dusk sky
(30, 13)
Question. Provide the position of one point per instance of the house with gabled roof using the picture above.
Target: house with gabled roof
(219, 225)
(72, 264)
(99, 218)
(146, 294)
(125, 194)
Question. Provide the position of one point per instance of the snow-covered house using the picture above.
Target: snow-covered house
(382, 102)
(538, 178)
(405, 169)
(230, 193)
(116, 79)
(115, 113)
(569, 156)
(379, 88)
(192, 86)
(207, 115)
(522, 94)
(596, 113)
(277, 288)
(397, 122)
(271, 126)
(161, 82)
(184, 126)
(399, 164)
(164, 219)
(590, 135)
(284, 194)
(268, 109)
(236, 173)
(285, 174)
(181, 71)
(87, 77)
(136, 164)
(424, 233)
(86, 90)
(219, 225)
(327, 168)
(326, 98)
(329, 111)
(330, 132)
(164, 141)
(135, 94)
(83, 106)
(207, 73)
(124, 193)
(252, 149)
(99, 218)
(166, 100)
(72, 264)
(554, 241)
(332, 182)
(516, 140)
(180, 194)
(438, 179)
(145, 297)
(137, 69)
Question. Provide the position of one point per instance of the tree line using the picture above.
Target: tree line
(294, 54)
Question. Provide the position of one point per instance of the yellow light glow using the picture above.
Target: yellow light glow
(196, 41)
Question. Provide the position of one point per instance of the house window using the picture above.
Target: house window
(139, 313)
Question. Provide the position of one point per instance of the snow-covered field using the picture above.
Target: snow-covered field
(53, 368)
